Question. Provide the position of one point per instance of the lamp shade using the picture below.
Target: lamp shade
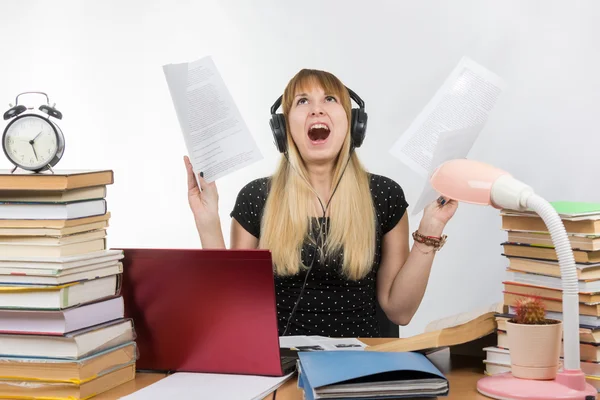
(468, 181)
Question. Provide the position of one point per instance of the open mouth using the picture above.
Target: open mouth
(318, 133)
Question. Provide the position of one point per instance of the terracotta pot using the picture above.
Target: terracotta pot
(534, 349)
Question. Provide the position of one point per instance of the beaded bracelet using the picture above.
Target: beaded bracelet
(436, 242)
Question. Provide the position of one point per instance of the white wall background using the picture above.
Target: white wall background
(101, 63)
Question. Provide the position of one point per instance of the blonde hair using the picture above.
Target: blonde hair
(290, 203)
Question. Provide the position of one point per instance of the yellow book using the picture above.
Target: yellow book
(66, 391)
(454, 330)
(57, 181)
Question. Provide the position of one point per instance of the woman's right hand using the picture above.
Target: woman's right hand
(205, 203)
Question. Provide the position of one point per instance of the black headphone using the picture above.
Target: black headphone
(358, 126)
(20, 109)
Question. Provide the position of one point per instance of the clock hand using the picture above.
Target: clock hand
(37, 136)
(33, 147)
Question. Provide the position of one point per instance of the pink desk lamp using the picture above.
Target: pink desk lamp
(478, 183)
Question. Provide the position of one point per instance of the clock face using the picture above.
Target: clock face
(30, 142)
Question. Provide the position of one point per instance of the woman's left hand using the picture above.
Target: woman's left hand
(436, 215)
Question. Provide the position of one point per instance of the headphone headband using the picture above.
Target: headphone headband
(276, 105)
(356, 98)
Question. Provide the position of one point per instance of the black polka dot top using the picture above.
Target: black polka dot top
(331, 305)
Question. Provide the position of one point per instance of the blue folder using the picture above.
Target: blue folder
(319, 369)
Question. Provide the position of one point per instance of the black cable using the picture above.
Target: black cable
(303, 284)
(317, 246)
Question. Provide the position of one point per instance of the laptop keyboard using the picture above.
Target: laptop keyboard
(288, 359)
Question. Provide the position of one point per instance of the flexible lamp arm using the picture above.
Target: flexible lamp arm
(507, 192)
(568, 272)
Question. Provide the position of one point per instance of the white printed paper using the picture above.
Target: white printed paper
(187, 385)
(465, 99)
(217, 139)
(450, 146)
(319, 343)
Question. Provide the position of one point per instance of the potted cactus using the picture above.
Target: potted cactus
(534, 341)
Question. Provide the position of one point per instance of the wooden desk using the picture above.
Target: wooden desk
(463, 372)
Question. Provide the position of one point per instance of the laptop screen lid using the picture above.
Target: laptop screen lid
(203, 310)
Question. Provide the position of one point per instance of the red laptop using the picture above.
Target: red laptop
(204, 311)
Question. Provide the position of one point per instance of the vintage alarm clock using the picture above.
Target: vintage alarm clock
(32, 140)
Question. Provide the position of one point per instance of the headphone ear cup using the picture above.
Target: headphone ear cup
(13, 112)
(359, 126)
(277, 123)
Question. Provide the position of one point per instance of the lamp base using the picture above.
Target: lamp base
(567, 386)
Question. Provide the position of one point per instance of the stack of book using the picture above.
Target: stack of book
(62, 328)
(533, 270)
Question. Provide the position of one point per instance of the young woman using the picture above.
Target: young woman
(338, 235)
